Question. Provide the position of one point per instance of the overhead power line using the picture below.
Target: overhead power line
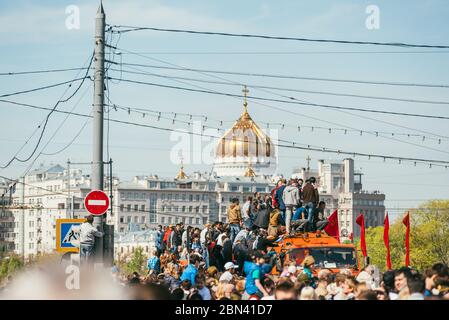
(271, 92)
(53, 109)
(15, 73)
(287, 144)
(125, 29)
(294, 100)
(41, 88)
(175, 116)
(291, 77)
(324, 52)
(283, 89)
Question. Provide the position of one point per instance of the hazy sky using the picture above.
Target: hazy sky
(34, 36)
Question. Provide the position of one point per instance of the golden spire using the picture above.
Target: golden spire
(181, 174)
(245, 96)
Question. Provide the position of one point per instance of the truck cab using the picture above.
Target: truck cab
(327, 252)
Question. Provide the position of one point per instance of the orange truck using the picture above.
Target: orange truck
(327, 252)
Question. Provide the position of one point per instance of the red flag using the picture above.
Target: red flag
(332, 227)
(387, 240)
(406, 222)
(361, 222)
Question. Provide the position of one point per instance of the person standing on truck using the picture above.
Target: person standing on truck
(278, 197)
(311, 198)
(291, 199)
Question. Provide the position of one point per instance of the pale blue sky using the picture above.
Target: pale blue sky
(33, 36)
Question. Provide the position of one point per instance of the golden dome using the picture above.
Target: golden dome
(245, 139)
(181, 174)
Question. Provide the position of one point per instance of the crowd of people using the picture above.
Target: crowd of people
(234, 260)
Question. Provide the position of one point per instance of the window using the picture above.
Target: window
(204, 209)
(197, 209)
(136, 207)
(121, 220)
(142, 219)
(153, 184)
(153, 203)
(142, 207)
(183, 208)
(136, 219)
(197, 197)
(246, 189)
(183, 197)
(204, 220)
(204, 196)
(61, 205)
(122, 207)
(234, 188)
(197, 220)
(169, 196)
(176, 196)
(128, 219)
(191, 197)
(128, 207)
(76, 206)
(190, 220)
(190, 209)
(163, 220)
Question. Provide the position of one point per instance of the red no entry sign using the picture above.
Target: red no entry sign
(96, 202)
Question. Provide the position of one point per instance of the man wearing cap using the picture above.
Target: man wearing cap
(228, 275)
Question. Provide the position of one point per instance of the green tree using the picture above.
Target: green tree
(10, 265)
(136, 263)
(429, 236)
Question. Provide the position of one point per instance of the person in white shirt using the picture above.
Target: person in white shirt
(246, 211)
(87, 237)
(228, 274)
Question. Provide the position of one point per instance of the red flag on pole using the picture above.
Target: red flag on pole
(361, 222)
(387, 240)
(406, 222)
(332, 227)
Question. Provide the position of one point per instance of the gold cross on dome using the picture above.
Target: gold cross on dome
(245, 95)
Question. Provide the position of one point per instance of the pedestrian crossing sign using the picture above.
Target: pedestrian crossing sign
(68, 234)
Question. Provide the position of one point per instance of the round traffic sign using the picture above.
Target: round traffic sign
(96, 202)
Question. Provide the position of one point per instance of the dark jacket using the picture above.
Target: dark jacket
(279, 194)
(310, 194)
(262, 219)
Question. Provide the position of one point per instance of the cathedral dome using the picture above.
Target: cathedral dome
(245, 150)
